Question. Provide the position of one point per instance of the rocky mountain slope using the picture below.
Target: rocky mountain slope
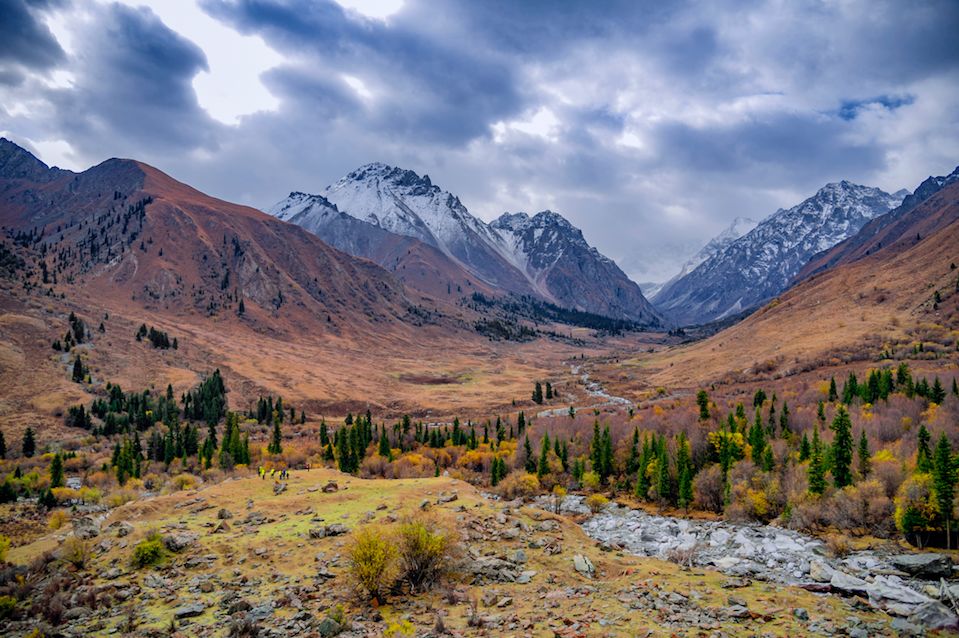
(739, 227)
(544, 256)
(761, 264)
(903, 223)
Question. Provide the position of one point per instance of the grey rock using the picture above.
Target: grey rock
(179, 541)
(189, 611)
(583, 565)
(329, 627)
(86, 527)
(934, 615)
(930, 566)
(224, 514)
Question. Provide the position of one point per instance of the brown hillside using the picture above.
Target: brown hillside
(850, 312)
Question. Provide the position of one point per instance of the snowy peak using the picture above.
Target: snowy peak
(759, 265)
(299, 205)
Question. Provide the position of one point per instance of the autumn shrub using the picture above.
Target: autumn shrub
(184, 481)
(57, 519)
(120, 497)
(75, 551)
(4, 548)
(8, 605)
(149, 551)
(428, 550)
(372, 561)
(518, 484)
(708, 489)
(916, 509)
(754, 495)
(590, 481)
(596, 503)
(863, 508)
(90, 495)
(838, 545)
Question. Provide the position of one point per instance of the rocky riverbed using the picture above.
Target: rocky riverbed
(916, 588)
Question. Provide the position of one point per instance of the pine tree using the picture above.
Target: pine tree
(56, 471)
(955, 387)
(549, 391)
(833, 392)
(543, 468)
(784, 419)
(276, 442)
(816, 471)
(78, 371)
(702, 400)
(684, 472)
(385, 450)
(865, 465)
(821, 414)
(768, 459)
(242, 308)
(759, 398)
(944, 482)
(757, 438)
(29, 447)
(520, 424)
(663, 482)
(842, 448)
(3, 446)
(938, 394)
(530, 459)
(804, 450)
(632, 461)
(923, 455)
(324, 433)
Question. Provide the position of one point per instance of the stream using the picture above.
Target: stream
(910, 586)
(595, 390)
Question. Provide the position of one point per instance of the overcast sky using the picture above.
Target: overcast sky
(650, 125)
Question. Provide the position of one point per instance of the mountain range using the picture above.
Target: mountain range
(542, 255)
(760, 264)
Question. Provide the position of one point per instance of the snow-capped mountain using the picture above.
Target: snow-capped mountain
(739, 227)
(403, 203)
(558, 261)
(543, 255)
(761, 264)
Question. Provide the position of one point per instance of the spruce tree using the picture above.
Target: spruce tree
(804, 449)
(865, 465)
(821, 414)
(923, 455)
(276, 442)
(29, 447)
(938, 394)
(56, 471)
(520, 423)
(3, 446)
(784, 420)
(530, 459)
(833, 392)
(842, 448)
(757, 438)
(384, 449)
(663, 483)
(543, 468)
(816, 471)
(632, 461)
(944, 482)
(549, 391)
(78, 371)
(702, 400)
(324, 433)
(538, 393)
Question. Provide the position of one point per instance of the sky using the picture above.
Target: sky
(650, 125)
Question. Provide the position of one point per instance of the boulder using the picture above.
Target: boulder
(189, 611)
(179, 541)
(86, 527)
(583, 565)
(848, 584)
(224, 514)
(278, 488)
(122, 528)
(820, 571)
(934, 615)
(329, 627)
(336, 529)
(929, 566)
(330, 487)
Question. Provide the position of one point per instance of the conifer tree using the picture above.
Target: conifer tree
(276, 441)
(530, 460)
(865, 464)
(816, 471)
(757, 438)
(842, 448)
(56, 471)
(385, 450)
(549, 391)
(632, 461)
(944, 482)
(955, 387)
(759, 398)
(324, 433)
(702, 400)
(3, 446)
(78, 371)
(684, 472)
(833, 392)
(29, 447)
(923, 455)
(784, 419)
(768, 459)
(804, 449)
(663, 482)
(938, 393)
(538, 393)
(821, 414)
(543, 468)
(520, 424)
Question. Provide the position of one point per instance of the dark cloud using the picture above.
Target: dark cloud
(25, 41)
(133, 95)
(649, 124)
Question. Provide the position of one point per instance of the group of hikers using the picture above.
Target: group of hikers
(280, 475)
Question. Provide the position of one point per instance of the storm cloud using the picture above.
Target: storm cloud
(651, 125)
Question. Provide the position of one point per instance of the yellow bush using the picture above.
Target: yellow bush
(883, 455)
(57, 519)
(596, 502)
(372, 561)
(65, 494)
(90, 495)
(590, 481)
(4, 548)
(75, 551)
(519, 484)
(426, 551)
(120, 497)
(401, 628)
(184, 481)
